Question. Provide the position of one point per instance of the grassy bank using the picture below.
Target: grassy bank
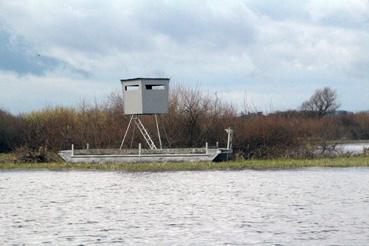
(357, 161)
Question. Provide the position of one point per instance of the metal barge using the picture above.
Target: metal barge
(137, 156)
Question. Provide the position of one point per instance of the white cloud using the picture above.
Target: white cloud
(339, 12)
(32, 92)
(230, 46)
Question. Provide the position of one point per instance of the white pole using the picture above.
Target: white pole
(72, 150)
(157, 128)
(207, 147)
(230, 136)
(139, 149)
(228, 140)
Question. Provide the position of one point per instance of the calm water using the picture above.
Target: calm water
(354, 148)
(297, 207)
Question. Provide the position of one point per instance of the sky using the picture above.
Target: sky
(271, 54)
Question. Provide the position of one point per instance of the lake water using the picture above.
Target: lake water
(353, 148)
(290, 207)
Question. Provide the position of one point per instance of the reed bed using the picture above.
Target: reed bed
(338, 162)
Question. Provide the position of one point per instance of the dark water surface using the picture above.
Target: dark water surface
(292, 207)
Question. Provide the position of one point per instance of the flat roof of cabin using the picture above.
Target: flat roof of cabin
(124, 80)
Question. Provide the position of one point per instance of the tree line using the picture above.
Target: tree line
(193, 119)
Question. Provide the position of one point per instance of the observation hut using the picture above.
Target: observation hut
(145, 96)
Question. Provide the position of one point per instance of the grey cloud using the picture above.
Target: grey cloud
(198, 24)
(282, 10)
(93, 28)
(16, 56)
(133, 26)
(344, 20)
(98, 34)
(236, 44)
(155, 35)
(345, 14)
(19, 56)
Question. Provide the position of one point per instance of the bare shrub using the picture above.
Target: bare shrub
(11, 131)
(27, 155)
(265, 137)
(193, 119)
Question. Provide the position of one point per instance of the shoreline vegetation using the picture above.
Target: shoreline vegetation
(194, 119)
(276, 164)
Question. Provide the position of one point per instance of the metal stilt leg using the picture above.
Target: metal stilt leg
(157, 128)
(125, 134)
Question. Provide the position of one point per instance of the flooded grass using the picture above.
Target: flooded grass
(7, 157)
(357, 161)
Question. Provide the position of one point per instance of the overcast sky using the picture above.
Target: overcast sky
(275, 53)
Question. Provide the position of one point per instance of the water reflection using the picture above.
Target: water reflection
(312, 206)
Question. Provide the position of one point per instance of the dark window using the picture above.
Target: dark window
(155, 87)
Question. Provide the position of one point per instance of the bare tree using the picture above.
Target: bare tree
(322, 102)
(248, 108)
